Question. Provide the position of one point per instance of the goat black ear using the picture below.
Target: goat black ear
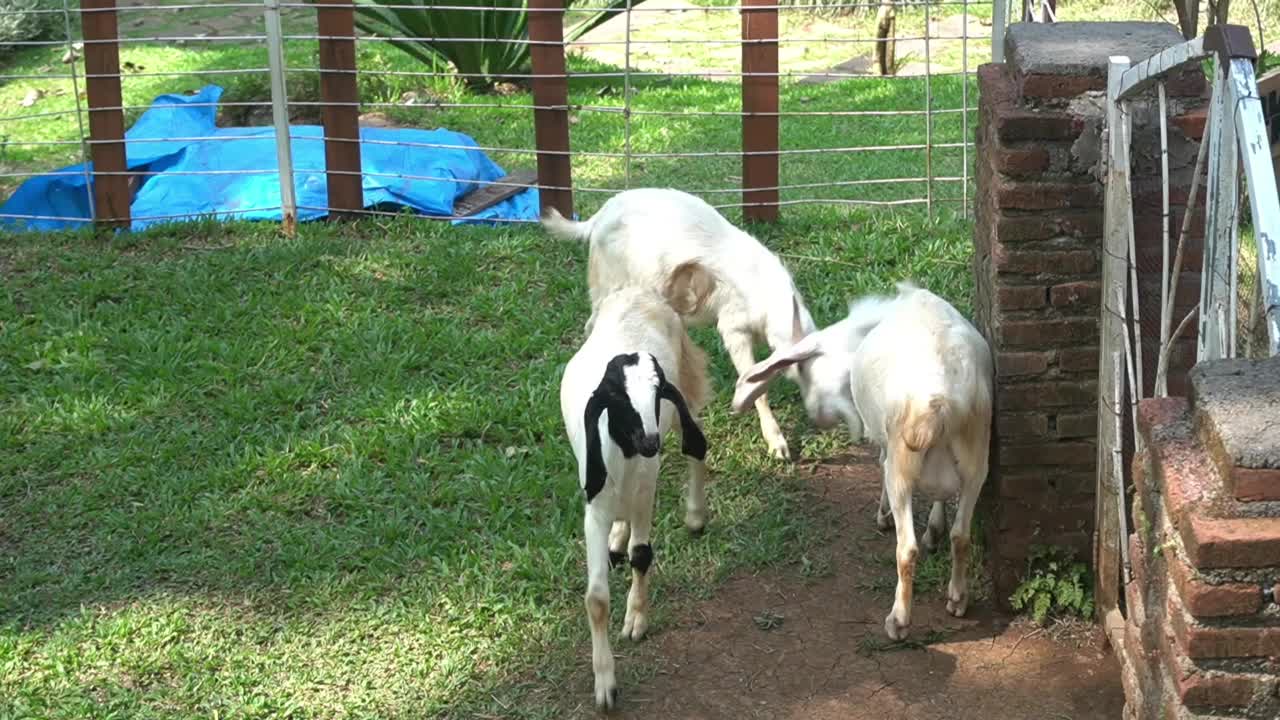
(692, 442)
(596, 472)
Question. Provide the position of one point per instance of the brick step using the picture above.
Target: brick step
(1212, 529)
(1236, 418)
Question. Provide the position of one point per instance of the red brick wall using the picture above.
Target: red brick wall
(1202, 628)
(1037, 244)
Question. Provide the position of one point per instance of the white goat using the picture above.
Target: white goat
(637, 355)
(921, 379)
(639, 236)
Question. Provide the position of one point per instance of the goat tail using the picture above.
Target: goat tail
(689, 287)
(564, 228)
(924, 423)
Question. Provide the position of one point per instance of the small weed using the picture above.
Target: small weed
(875, 643)
(1056, 585)
(816, 565)
(768, 620)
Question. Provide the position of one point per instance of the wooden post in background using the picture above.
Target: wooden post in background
(341, 111)
(551, 93)
(111, 196)
(760, 110)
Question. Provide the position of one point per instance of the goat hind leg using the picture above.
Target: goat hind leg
(899, 476)
(971, 461)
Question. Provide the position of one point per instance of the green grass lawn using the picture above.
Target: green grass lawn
(244, 476)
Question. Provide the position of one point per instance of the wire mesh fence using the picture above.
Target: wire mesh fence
(754, 106)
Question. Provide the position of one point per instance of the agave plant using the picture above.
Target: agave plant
(477, 43)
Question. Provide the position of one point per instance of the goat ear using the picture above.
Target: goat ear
(797, 328)
(596, 472)
(752, 383)
(692, 442)
(689, 287)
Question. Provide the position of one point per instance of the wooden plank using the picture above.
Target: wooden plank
(111, 196)
(1159, 66)
(760, 108)
(1256, 157)
(341, 111)
(1221, 205)
(551, 96)
(486, 196)
(1116, 213)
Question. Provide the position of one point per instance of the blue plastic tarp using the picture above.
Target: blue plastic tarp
(194, 169)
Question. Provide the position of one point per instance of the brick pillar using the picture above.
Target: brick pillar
(1202, 638)
(1037, 244)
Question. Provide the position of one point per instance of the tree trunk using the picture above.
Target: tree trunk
(1188, 17)
(886, 22)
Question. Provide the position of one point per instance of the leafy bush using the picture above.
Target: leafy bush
(438, 37)
(28, 20)
(1055, 585)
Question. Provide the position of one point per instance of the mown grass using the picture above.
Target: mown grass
(245, 476)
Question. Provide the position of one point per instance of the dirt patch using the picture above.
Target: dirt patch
(783, 645)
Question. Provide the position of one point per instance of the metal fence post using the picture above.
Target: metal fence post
(280, 116)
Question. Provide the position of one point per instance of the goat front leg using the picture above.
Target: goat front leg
(618, 537)
(937, 526)
(596, 531)
(738, 345)
(900, 473)
(971, 461)
(645, 482)
(695, 508)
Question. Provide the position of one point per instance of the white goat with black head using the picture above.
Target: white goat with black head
(611, 397)
(640, 236)
(921, 381)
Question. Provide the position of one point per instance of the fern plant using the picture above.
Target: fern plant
(1056, 585)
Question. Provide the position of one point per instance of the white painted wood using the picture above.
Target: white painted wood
(1220, 221)
(1158, 66)
(1116, 212)
(1162, 378)
(1259, 173)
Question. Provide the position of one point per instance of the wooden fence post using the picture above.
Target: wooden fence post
(760, 110)
(551, 96)
(341, 111)
(111, 196)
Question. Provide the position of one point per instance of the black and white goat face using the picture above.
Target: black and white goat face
(632, 388)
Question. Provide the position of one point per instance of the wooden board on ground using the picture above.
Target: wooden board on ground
(486, 196)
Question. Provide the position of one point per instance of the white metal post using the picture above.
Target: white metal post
(999, 21)
(280, 115)
(1259, 173)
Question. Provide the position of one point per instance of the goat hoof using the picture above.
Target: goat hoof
(884, 522)
(695, 523)
(634, 626)
(957, 605)
(894, 630)
(606, 694)
(779, 450)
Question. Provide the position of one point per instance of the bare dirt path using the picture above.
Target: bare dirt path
(781, 645)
